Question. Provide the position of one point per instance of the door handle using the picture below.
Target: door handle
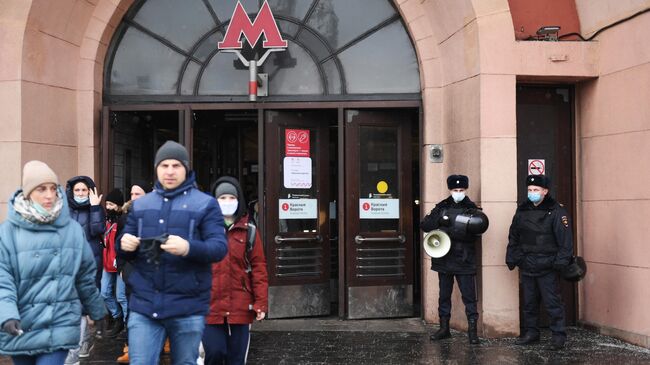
(360, 239)
(280, 239)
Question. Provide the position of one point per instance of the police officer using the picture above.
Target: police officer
(540, 243)
(460, 262)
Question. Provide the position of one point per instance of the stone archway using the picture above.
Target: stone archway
(59, 67)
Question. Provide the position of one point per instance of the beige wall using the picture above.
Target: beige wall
(614, 136)
(51, 82)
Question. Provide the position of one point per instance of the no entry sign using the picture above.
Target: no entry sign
(296, 142)
(536, 166)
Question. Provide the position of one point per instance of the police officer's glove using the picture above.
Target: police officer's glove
(444, 221)
(12, 327)
(559, 267)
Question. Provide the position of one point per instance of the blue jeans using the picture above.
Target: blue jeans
(226, 343)
(146, 337)
(51, 358)
(113, 288)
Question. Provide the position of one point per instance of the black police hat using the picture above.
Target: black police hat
(538, 180)
(457, 182)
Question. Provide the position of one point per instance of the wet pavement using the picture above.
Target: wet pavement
(401, 341)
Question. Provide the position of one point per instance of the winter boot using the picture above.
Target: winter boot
(124, 359)
(118, 326)
(527, 339)
(443, 332)
(472, 332)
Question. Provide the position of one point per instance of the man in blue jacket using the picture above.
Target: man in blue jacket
(170, 283)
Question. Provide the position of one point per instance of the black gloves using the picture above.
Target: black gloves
(12, 327)
(444, 221)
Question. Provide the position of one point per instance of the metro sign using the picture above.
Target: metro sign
(264, 23)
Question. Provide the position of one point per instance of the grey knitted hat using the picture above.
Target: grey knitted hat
(173, 151)
(225, 188)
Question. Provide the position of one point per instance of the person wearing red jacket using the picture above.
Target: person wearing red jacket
(239, 283)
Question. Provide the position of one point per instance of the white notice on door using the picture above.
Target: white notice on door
(297, 172)
(379, 208)
(298, 208)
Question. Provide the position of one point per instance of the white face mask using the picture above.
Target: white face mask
(457, 196)
(228, 208)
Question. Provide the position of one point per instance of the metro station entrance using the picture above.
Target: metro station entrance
(331, 189)
(322, 131)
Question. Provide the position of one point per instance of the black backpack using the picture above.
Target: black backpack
(250, 242)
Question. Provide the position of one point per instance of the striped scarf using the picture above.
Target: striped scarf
(29, 212)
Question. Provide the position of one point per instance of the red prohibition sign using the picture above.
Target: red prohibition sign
(536, 167)
(285, 206)
(366, 206)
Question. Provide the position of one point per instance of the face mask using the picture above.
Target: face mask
(535, 197)
(39, 208)
(80, 200)
(458, 197)
(228, 208)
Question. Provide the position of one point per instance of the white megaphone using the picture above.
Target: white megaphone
(436, 243)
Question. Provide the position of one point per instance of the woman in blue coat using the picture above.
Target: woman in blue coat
(47, 273)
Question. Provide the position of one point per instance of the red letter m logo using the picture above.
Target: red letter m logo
(264, 23)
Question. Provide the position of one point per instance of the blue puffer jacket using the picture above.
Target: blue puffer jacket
(47, 273)
(173, 285)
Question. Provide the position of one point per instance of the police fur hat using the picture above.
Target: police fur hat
(542, 181)
(173, 151)
(457, 182)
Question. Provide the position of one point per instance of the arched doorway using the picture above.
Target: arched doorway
(349, 82)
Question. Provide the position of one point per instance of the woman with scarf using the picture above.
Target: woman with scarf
(47, 273)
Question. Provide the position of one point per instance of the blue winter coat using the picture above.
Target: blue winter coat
(47, 272)
(174, 285)
(91, 217)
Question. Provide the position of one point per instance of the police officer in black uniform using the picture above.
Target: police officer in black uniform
(460, 262)
(540, 243)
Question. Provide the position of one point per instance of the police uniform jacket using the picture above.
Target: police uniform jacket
(540, 238)
(461, 259)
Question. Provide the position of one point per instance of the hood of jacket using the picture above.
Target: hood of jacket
(15, 218)
(241, 201)
(70, 194)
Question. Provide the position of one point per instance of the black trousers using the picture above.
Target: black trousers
(467, 286)
(547, 288)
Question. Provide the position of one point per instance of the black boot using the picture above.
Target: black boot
(527, 339)
(443, 332)
(472, 332)
(118, 326)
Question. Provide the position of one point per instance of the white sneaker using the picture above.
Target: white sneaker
(85, 349)
(72, 358)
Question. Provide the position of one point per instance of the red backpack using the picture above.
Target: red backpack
(109, 247)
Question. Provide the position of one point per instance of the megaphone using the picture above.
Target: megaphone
(436, 243)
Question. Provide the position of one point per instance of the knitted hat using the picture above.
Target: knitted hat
(542, 181)
(144, 185)
(173, 151)
(36, 173)
(225, 188)
(115, 196)
(457, 182)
